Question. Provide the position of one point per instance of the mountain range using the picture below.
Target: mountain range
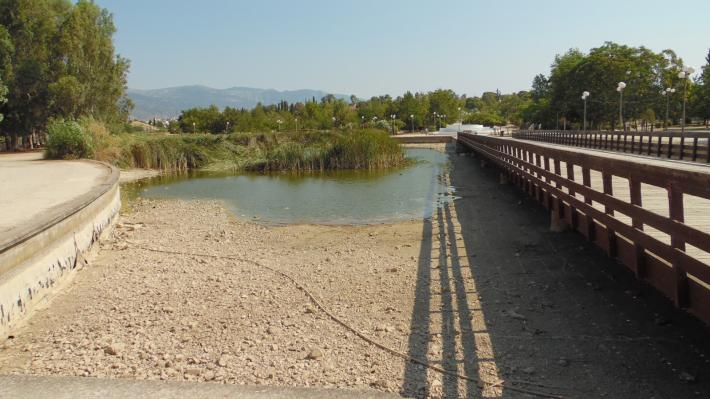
(167, 103)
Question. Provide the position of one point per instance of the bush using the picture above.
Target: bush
(67, 140)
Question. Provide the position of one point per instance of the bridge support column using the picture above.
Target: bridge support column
(503, 178)
(558, 223)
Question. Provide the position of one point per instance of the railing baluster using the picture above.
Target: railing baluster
(682, 146)
(573, 211)
(609, 190)
(640, 253)
(695, 148)
(676, 212)
(587, 181)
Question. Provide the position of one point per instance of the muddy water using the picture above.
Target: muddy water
(343, 197)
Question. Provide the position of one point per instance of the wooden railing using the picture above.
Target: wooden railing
(619, 226)
(690, 146)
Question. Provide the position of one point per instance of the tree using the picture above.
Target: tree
(701, 93)
(3, 96)
(58, 61)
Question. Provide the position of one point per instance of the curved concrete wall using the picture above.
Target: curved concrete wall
(41, 256)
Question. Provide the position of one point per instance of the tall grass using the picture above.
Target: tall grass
(274, 151)
(369, 149)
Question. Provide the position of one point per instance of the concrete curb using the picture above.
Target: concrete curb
(40, 257)
(32, 387)
(60, 212)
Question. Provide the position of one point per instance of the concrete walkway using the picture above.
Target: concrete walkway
(28, 387)
(32, 186)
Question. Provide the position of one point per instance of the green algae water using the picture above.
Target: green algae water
(338, 197)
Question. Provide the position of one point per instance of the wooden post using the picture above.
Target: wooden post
(573, 211)
(640, 253)
(611, 235)
(676, 212)
(587, 181)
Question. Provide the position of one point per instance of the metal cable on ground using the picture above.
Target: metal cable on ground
(364, 337)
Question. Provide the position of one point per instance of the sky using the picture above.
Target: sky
(374, 47)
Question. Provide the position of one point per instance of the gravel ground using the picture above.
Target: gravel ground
(147, 315)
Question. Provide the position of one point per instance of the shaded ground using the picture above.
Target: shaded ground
(557, 311)
(481, 289)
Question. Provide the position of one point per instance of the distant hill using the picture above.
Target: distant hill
(167, 103)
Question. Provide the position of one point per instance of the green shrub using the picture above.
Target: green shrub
(67, 140)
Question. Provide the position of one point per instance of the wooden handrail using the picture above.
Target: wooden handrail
(536, 169)
(688, 146)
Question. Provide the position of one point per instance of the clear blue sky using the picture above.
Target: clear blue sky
(369, 47)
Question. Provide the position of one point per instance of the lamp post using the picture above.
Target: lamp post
(667, 93)
(362, 121)
(226, 130)
(620, 88)
(585, 95)
(333, 122)
(684, 74)
(436, 121)
(194, 128)
(296, 125)
(411, 118)
(393, 116)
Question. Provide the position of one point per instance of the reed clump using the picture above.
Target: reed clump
(264, 152)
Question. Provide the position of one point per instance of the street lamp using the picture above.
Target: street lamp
(585, 95)
(194, 128)
(227, 129)
(296, 125)
(620, 88)
(667, 93)
(333, 122)
(685, 74)
(362, 121)
(411, 118)
(393, 116)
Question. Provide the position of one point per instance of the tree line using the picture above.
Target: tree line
(57, 60)
(554, 101)
(411, 111)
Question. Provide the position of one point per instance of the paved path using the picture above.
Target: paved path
(29, 387)
(32, 186)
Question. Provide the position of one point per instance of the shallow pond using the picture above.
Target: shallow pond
(342, 197)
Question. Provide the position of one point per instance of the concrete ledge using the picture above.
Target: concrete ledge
(30, 387)
(41, 255)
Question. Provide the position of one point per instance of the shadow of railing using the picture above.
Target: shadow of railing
(448, 327)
